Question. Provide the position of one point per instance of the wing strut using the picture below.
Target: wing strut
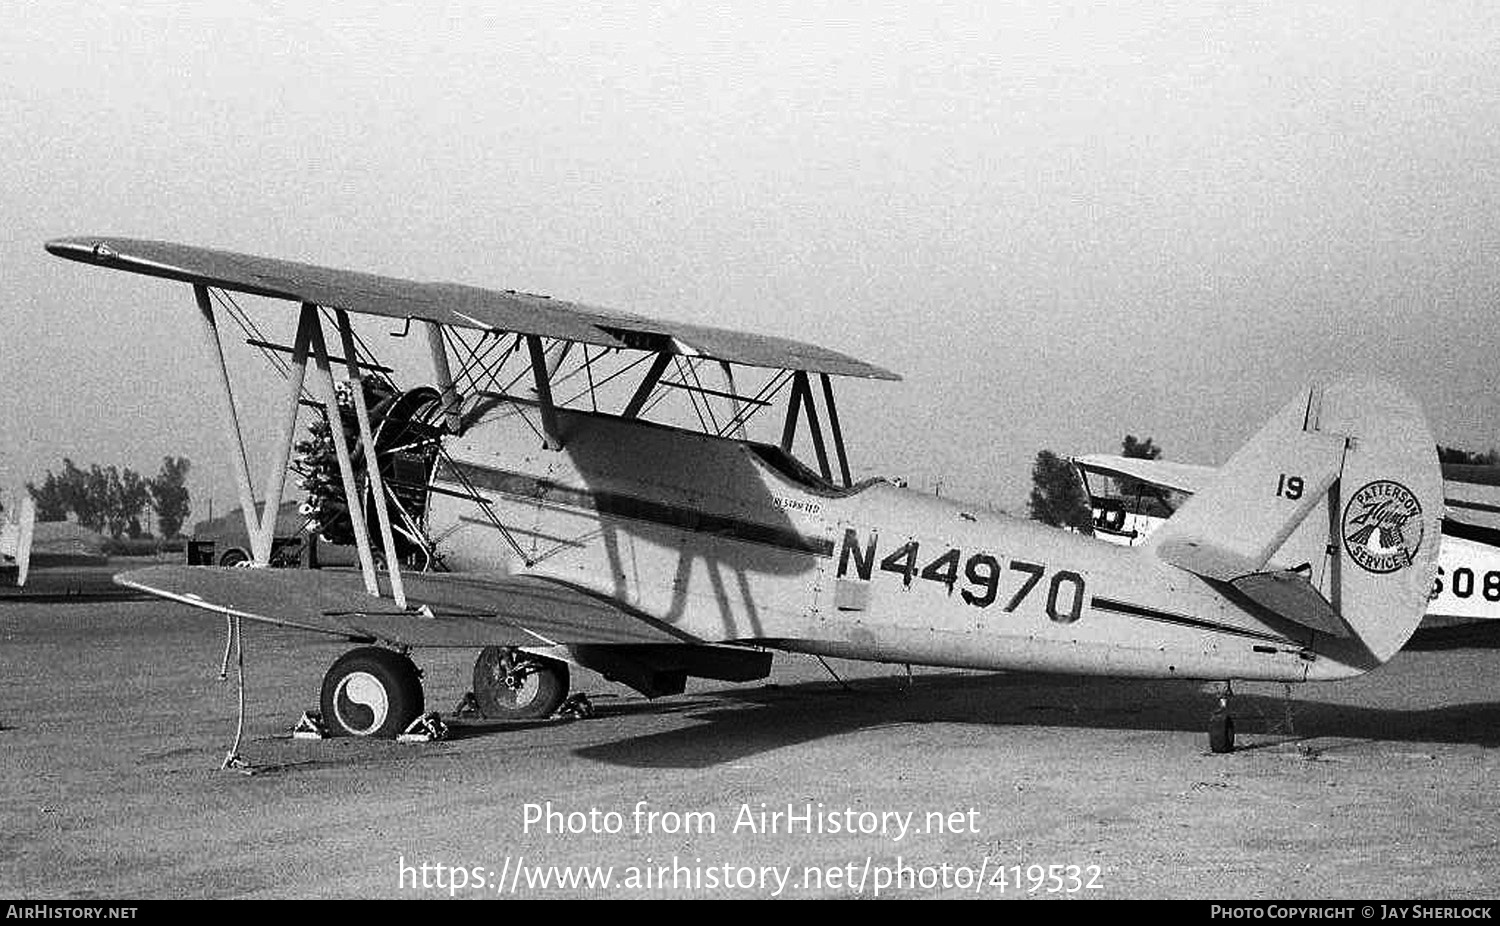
(802, 399)
(276, 478)
(372, 466)
(736, 405)
(544, 392)
(324, 384)
(238, 461)
(838, 433)
(444, 374)
(262, 528)
(643, 392)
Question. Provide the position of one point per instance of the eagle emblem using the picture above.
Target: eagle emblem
(1383, 526)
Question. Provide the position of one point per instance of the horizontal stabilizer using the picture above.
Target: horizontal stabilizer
(1289, 595)
(1259, 497)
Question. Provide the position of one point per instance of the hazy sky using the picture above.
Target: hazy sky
(1059, 221)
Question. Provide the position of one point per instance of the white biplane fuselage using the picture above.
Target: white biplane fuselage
(730, 541)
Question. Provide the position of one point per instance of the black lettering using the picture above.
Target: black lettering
(1075, 607)
(903, 562)
(1463, 582)
(944, 569)
(983, 570)
(864, 561)
(1034, 571)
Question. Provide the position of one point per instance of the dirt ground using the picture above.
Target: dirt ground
(113, 723)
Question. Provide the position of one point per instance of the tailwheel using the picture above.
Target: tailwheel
(1221, 725)
(515, 685)
(1221, 733)
(371, 692)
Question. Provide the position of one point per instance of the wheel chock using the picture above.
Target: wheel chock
(310, 727)
(468, 706)
(425, 729)
(577, 707)
(234, 762)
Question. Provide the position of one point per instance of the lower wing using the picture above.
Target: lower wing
(446, 609)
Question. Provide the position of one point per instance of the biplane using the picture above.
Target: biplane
(523, 509)
(1465, 587)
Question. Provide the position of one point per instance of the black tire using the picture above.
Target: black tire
(543, 684)
(1221, 734)
(234, 557)
(371, 692)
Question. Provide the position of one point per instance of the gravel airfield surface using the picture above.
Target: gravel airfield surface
(114, 722)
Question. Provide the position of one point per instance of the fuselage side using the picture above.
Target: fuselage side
(733, 541)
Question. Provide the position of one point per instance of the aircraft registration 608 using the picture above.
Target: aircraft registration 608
(537, 503)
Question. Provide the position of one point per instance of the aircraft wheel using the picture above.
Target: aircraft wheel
(512, 685)
(234, 557)
(1221, 733)
(371, 692)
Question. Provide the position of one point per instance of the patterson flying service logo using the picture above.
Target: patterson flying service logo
(1383, 526)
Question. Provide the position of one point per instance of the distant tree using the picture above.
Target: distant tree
(1137, 450)
(169, 495)
(110, 500)
(87, 493)
(51, 498)
(134, 498)
(112, 489)
(1140, 449)
(1057, 494)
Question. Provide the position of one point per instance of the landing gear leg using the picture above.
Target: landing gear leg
(1221, 723)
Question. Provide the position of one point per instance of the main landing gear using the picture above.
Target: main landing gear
(372, 691)
(510, 684)
(1221, 724)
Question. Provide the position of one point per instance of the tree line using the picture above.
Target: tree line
(115, 501)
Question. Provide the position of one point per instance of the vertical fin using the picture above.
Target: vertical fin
(1233, 526)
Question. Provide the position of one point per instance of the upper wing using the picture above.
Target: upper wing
(1179, 477)
(448, 609)
(453, 304)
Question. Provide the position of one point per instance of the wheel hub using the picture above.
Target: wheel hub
(361, 703)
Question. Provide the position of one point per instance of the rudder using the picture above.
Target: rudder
(1358, 458)
(1385, 513)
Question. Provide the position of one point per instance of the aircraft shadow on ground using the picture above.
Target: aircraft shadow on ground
(763, 719)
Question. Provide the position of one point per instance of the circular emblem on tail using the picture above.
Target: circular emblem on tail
(1382, 526)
